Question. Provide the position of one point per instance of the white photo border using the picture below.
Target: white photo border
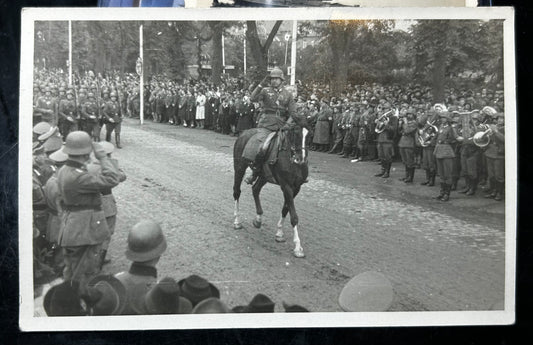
(29, 322)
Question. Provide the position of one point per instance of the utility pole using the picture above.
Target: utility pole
(140, 71)
(293, 52)
(69, 52)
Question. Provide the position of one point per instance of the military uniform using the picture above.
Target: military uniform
(277, 105)
(138, 280)
(113, 120)
(445, 155)
(321, 134)
(89, 116)
(67, 116)
(407, 147)
(470, 159)
(47, 107)
(84, 227)
(495, 155)
(385, 145)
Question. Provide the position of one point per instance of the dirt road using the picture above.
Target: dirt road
(438, 256)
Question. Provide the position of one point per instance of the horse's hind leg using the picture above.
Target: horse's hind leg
(256, 189)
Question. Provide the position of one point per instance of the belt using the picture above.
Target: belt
(74, 208)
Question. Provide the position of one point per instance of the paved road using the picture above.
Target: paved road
(438, 256)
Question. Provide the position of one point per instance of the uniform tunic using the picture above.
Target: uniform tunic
(495, 155)
(111, 111)
(321, 135)
(83, 224)
(407, 143)
(137, 281)
(385, 141)
(277, 105)
(67, 117)
(444, 152)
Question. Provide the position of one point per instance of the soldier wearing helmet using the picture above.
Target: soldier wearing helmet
(146, 244)
(47, 107)
(89, 116)
(84, 227)
(112, 118)
(277, 106)
(68, 114)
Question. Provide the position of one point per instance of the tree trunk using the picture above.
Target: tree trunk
(216, 53)
(260, 51)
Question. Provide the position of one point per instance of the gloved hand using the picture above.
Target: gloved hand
(99, 152)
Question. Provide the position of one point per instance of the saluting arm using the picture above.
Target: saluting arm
(109, 176)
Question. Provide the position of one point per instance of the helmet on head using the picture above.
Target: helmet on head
(276, 73)
(113, 94)
(90, 95)
(78, 143)
(146, 241)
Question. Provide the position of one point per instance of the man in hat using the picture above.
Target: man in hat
(259, 304)
(146, 244)
(84, 227)
(196, 289)
(164, 298)
(47, 107)
(321, 133)
(112, 119)
(338, 129)
(277, 107)
(470, 155)
(445, 154)
(89, 116)
(67, 114)
(406, 144)
(495, 156)
(109, 204)
(386, 138)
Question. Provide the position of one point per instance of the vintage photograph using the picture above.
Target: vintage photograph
(354, 168)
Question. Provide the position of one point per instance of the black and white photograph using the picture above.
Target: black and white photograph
(288, 167)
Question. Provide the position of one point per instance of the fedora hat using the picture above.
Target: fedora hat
(164, 298)
(106, 295)
(212, 305)
(59, 156)
(368, 291)
(259, 304)
(196, 289)
(53, 131)
(294, 308)
(63, 300)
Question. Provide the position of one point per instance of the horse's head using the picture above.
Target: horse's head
(295, 141)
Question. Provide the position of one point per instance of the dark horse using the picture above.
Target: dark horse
(289, 171)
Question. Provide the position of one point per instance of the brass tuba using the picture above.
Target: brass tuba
(482, 138)
(425, 135)
(383, 120)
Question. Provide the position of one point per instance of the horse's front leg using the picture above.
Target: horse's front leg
(289, 200)
(240, 169)
(256, 189)
(279, 233)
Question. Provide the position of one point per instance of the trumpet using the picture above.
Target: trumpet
(383, 120)
(482, 138)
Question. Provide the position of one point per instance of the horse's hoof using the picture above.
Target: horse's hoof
(257, 224)
(237, 226)
(299, 253)
(280, 239)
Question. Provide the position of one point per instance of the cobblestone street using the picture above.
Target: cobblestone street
(438, 256)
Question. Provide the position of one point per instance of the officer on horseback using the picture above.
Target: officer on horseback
(277, 107)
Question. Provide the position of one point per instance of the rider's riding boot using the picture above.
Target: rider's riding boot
(467, 186)
(387, 170)
(428, 176)
(117, 140)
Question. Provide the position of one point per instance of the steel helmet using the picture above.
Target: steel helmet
(90, 95)
(146, 242)
(276, 73)
(78, 143)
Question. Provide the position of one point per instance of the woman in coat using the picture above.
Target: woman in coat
(321, 134)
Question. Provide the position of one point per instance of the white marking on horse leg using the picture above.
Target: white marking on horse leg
(298, 250)
(236, 222)
(304, 131)
(279, 232)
